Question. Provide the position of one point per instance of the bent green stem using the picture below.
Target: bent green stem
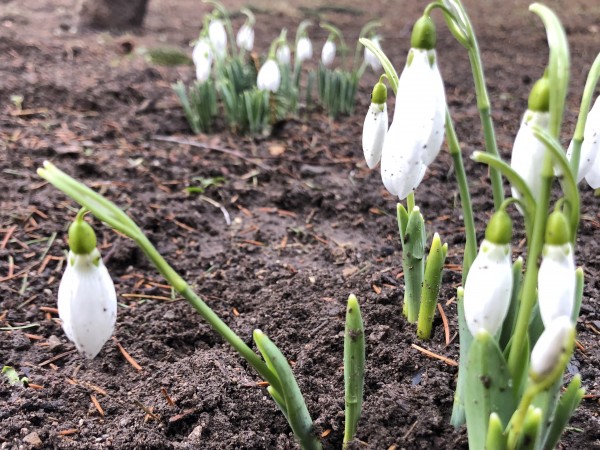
(112, 215)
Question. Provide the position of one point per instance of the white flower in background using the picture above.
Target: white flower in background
(528, 152)
(245, 37)
(589, 162)
(328, 53)
(488, 288)
(218, 37)
(375, 125)
(551, 346)
(269, 76)
(417, 131)
(304, 50)
(284, 54)
(202, 57)
(370, 58)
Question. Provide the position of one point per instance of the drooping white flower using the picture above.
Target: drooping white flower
(550, 346)
(370, 58)
(417, 131)
(556, 282)
(269, 77)
(304, 50)
(528, 152)
(202, 57)
(375, 125)
(488, 288)
(284, 54)
(218, 37)
(328, 53)
(87, 302)
(245, 37)
(589, 161)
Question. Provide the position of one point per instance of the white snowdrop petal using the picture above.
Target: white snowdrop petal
(245, 37)
(328, 53)
(488, 288)
(556, 283)
(374, 132)
(202, 52)
(550, 346)
(203, 71)
(218, 37)
(269, 77)
(283, 54)
(412, 141)
(87, 303)
(528, 152)
(590, 148)
(370, 58)
(304, 49)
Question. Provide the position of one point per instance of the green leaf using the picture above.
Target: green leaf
(13, 377)
(487, 388)
(431, 286)
(566, 405)
(297, 412)
(354, 367)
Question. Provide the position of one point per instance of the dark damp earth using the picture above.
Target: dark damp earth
(310, 224)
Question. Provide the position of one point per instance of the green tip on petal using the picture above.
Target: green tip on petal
(539, 98)
(557, 229)
(82, 239)
(423, 34)
(499, 229)
(379, 95)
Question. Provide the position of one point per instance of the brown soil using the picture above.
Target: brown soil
(310, 224)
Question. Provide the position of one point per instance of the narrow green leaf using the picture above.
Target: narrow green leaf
(496, 439)
(566, 405)
(431, 286)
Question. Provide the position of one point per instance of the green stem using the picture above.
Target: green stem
(529, 295)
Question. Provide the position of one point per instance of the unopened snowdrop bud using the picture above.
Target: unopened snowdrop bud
(551, 350)
(589, 162)
(370, 58)
(269, 77)
(87, 301)
(528, 152)
(556, 277)
(489, 283)
(304, 50)
(417, 131)
(245, 37)
(328, 53)
(284, 54)
(375, 125)
(218, 37)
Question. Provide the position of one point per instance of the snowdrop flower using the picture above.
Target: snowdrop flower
(589, 162)
(202, 57)
(489, 283)
(528, 152)
(556, 277)
(417, 130)
(269, 77)
(284, 54)
(218, 37)
(245, 37)
(553, 343)
(375, 125)
(304, 50)
(328, 53)
(370, 58)
(87, 301)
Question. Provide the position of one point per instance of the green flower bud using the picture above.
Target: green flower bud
(499, 229)
(557, 229)
(423, 34)
(379, 95)
(539, 98)
(82, 239)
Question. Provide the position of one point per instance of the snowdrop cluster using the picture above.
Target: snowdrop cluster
(416, 134)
